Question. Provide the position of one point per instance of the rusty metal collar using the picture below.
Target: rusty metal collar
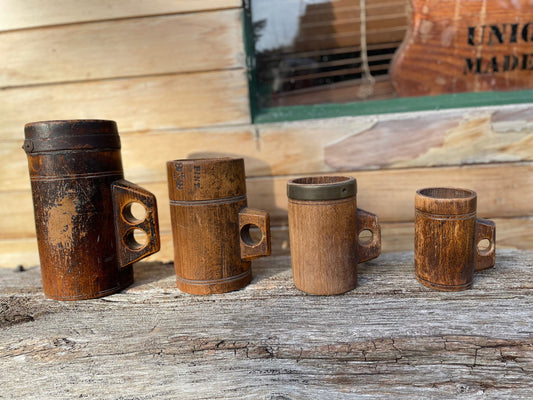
(48, 136)
(321, 188)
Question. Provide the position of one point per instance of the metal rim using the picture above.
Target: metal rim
(321, 188)
(61, 135)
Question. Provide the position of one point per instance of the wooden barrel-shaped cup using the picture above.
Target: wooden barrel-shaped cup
(324, 229)
(211, 225)
(82, 204)
(447, 237)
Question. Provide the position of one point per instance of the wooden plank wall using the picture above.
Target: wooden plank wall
(172, 74)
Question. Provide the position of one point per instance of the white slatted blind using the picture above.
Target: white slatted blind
(317, 51)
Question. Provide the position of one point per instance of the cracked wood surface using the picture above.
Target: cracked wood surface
(390, 337)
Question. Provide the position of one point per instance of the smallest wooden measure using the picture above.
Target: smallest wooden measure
(212, 225)
(447, 237)
(324, 229)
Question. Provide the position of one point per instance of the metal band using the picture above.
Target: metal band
(102, 293)
(445, 216)
(75, 142)
(214, 281)
(321, 191)
(439, 286)
(225, 200)
(89, 175)
(325, 203)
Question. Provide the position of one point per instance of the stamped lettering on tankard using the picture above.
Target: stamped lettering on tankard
(197, 182)
(179, 176)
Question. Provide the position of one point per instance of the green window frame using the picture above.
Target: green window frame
(332, 110)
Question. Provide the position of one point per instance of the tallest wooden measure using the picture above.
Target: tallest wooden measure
(466, 46)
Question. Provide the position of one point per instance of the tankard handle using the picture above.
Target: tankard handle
(248, 218)
(485, 229)
(129, 250)
(367, 221)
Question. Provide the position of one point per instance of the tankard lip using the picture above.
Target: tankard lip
(205, 159)
(205, 179)
(69, 121)
(446, 193)
(42, 130)
(446, 200)
(322, 187)
(70, 135)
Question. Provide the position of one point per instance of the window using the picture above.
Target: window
(340, 52)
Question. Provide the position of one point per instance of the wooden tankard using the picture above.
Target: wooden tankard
(447, 234)
(324, 228)
(211, 225)
(85, 228)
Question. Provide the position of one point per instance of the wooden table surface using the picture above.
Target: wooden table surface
(389, 338)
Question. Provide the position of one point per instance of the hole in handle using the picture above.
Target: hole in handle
(365, 237)
(135, 239)
(134, 212)
(484, 247)
(251, 234)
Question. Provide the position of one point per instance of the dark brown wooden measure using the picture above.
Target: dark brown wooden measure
(447, 234)
(324, 228)
(85, 228)
(211, 225)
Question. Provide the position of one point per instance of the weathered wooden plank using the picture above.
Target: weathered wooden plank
(33, 13)
(386, 142)
(162, 102)
(389, 194)
(389, 337)
(448, 139)
(14, 252)
(484, 135)
(134, 47)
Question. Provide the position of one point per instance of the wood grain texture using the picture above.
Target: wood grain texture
(513, 233)
(33, 13)
(324, 247)
(465, 46)
(162, 102)
(447, 234)
(208, 214)
(389, 338)
(480, 136)
(324, 234)
(134, 47)
(389, 194)
(86, 242)
(434, 139)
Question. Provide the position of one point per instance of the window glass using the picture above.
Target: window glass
(322, 51)
(310, 52)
